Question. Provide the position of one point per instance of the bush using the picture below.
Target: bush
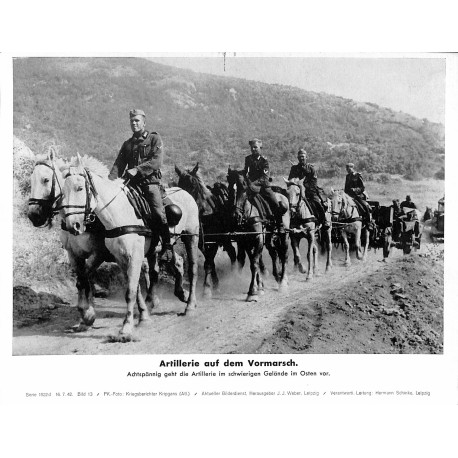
(384, 178)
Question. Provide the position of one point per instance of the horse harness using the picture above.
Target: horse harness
(52, 199)
(296, 209)
(341, 219)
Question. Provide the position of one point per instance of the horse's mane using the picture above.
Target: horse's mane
(60, 162)
(345, 197)
(92, 164)
(199, 186)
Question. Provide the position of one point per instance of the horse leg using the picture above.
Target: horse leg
(152, 298)
(191, 243)
(366, 244)
(255, 254)
(230, 250)
(346, 245)
(142, 307)
(358, 244)
(178, 270)
(274, 256)
(328, 242)
(211, 278)
(310, 255)
(241, 255)
(283, 257)
(214, 275)
(295, 242)
(85, 308)
(134, 266)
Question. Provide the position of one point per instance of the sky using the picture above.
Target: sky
(414, 85)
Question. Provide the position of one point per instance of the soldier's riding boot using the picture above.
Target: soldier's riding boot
(167, 248)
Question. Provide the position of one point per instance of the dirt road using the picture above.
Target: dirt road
(371, 307)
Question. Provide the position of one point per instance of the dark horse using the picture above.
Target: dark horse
(247, 219)
(214, 221)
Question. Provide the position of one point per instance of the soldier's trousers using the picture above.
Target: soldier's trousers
(317, 207)
(153, 195)
(363, 207)
(269, 195)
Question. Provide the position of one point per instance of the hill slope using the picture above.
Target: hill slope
(82, 105)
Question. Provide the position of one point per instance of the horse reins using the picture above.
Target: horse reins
(89, 216)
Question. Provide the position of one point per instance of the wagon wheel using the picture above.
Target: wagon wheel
(407, 245)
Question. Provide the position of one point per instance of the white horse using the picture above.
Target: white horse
(85, 252)
(304, 225)
(347, 220)
(126, 236)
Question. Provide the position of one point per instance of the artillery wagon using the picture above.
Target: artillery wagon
(389, 230)
(437, 230)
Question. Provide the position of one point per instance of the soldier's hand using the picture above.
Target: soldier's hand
(131, 172)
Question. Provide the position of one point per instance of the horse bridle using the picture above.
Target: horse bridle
(340, 213)
(89, 215)
(295, 208)
(52, 199)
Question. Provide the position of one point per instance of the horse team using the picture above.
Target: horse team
(211, 217)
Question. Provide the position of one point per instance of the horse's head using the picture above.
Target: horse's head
(294, 190)
(46, 188)
(192, 182)
(78, 200)
(237, 186)
(341, 205)
(336, 203)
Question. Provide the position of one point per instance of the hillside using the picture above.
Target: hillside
(82, 104)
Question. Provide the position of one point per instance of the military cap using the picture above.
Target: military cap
(136, 112)
(350, 164)
(254, 142)
(301, 151)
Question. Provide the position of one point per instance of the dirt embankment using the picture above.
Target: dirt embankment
(372, 307)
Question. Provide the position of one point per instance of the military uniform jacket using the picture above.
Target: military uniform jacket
(354, 185)
(408, 204)
(306, 171)
(256, 168)
(144, 153)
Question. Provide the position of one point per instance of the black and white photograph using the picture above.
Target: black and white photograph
(229, 204)
(224, 230)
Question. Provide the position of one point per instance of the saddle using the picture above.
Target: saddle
(263, 207)
(143, 210)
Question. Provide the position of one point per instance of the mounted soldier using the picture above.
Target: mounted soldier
(354, 187)
(306, 171)
(256, 171)
(140, 160)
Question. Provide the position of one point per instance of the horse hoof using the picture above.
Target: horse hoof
(252, 298)
(182, 295)
(121, 338)
(207, 293)
(80, 327)
(144, 320)
(153, 303)
(188, 311)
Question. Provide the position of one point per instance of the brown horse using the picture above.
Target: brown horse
(247, 219)
(214, 223)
